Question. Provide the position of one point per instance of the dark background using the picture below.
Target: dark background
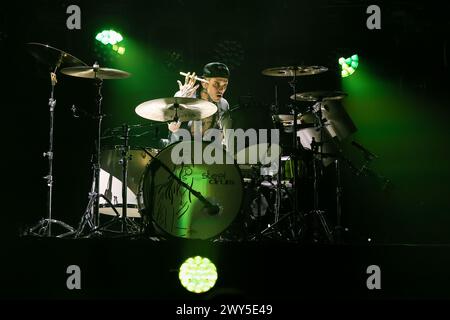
(398, 98)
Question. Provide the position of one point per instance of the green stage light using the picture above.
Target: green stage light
(349, 65)
(111, 40)
(198, 274)
(109, 37)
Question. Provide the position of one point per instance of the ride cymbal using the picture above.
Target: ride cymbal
(294, 71)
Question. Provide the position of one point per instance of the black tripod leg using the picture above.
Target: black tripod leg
(325, 226)
(87, 216)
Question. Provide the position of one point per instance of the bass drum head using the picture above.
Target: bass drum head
(176, 210)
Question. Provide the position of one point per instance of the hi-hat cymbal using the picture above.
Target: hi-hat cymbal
(168, 109)
(52, 57)
(294, 70)
(319, 96)
(95, 72)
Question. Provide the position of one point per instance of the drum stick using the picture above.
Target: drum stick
(196, 78)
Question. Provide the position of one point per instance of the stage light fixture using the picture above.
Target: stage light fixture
(109, 37)
(348, 65)
(198, 274)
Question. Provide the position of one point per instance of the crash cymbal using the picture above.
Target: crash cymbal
(319, 96)
(52, 57)
(95, 72)
(168, 109)
(294, 70)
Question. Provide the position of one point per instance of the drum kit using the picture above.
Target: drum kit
(146, 193)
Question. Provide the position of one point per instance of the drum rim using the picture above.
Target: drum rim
(142, 209)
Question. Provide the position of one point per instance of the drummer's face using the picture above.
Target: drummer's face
(216, 88)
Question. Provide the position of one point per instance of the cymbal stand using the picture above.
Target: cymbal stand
(338, 228)
(124, 162)
(127, 225)
(91, 214)
(295, 155)
(295, 144)
(44, 226)
(316, 148)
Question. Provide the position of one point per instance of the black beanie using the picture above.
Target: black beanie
(216, 70)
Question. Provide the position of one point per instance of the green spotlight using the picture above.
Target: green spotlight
(349, 65)
(198, 274)
(109, 37)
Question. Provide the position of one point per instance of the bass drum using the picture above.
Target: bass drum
(175, 210)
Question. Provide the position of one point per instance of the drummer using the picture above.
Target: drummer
(217, 74)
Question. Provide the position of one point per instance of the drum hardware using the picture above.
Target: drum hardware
(314, 147)
(338, 227)
(127, 225)
(54, 59)
(292, 72)
(328, 119)
(130, 162)
(364, 170)
(316, 212)
(319, 154)
(91, 216)
(296, 71)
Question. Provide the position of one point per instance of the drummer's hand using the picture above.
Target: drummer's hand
(174, 126)
(188, 88)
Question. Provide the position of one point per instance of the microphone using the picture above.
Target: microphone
(364, 150)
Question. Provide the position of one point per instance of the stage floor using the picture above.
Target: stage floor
(268, 270)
